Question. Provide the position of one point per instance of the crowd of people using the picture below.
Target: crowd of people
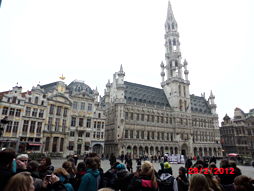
(18, 173)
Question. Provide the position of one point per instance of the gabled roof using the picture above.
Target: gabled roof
(145, 94)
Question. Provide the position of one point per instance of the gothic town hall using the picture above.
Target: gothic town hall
(143, 120)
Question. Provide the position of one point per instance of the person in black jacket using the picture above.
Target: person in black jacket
(123, 177)
(45, 167)
(6, 160)
(112, 159)
(182, 181)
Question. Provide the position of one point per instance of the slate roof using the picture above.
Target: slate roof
(79, 86)
(48, 87)
(145, 94)
(199, 105)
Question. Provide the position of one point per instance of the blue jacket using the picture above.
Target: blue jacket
(89, 180)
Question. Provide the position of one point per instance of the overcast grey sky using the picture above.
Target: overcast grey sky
(88, 40)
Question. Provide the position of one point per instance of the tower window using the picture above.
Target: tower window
(180, 105)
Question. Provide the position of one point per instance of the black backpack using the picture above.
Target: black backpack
(166, 182)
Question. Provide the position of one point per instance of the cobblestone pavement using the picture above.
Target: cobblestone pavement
(246, 170)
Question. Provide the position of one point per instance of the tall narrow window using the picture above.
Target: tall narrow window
(126, 134)
(90, 107)
(34, 113)
(73, 121)
(65, 112)
(58, 110)
(9, 127)
(41, 113)
(39, 126)
(126, 115)
(81, 120)
(36, 100)
(18, 111)
(5, 111)
(32, 126)
(179, 90)
(12, 111)
(14, 99)
(137, 134)
(25, 126)
(15, 127)
(51, 109)
(83, 106)
(88, 123)
(180, 105)
(57, 124)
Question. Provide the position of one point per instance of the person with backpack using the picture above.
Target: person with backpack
(123, 177)
(145, 180)
(167, 182)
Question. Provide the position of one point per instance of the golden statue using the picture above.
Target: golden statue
(62, 77)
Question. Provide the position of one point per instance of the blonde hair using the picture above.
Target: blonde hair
(20, 182)
(147, 169)
(61, 171)
(198, 182)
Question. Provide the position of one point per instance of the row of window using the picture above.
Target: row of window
(36, 100)
(59, 110)
(35, 112)
(57, 125)
(80, 134)
(202, 123)
(148, 118)
(29, 139)
(237, 131)
(32, 127)
(82, 106)
(150, 135)
(11, 111)
(98, 135)
(55, 144)
(12, 127)
(98, 124)
(80, 121)
(13, 100)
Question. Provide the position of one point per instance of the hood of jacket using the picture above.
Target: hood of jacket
(95, 173)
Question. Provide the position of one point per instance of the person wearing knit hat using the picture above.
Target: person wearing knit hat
(120, 166)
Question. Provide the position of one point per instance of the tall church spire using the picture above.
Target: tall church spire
(170, 23)
(175, 83)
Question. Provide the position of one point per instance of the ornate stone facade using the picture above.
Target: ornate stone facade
(237, 134)
(143, 120)
(54, 118)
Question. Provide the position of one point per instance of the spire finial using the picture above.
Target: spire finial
(121, 68)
